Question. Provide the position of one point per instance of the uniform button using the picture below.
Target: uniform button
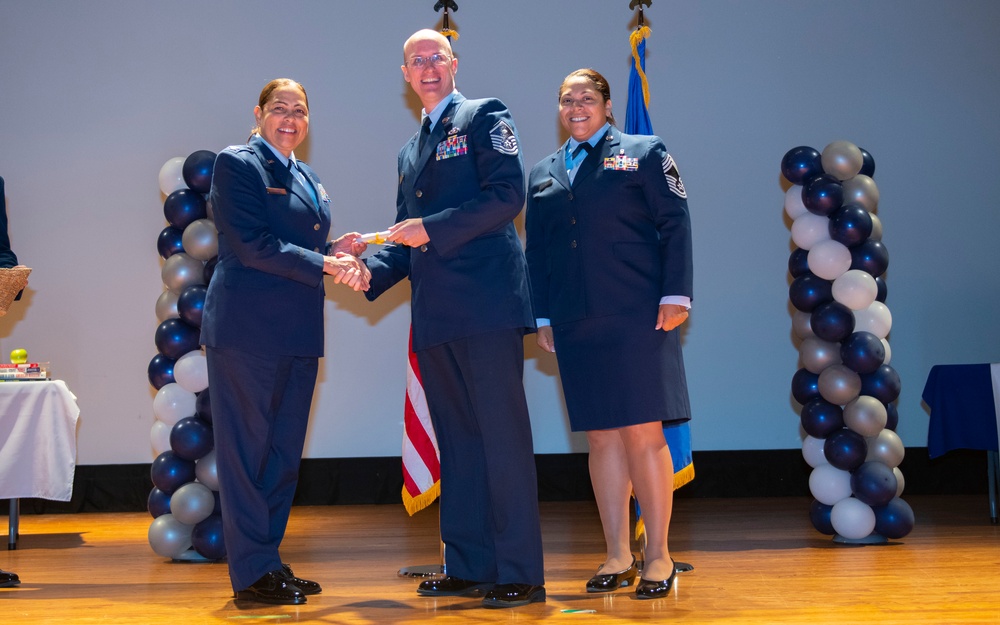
(315, 249)
(573, 244)
(572, 221)
(316, 227)
(423, 248)
(571, 196)
(419, 193)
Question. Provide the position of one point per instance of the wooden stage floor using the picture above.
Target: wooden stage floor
(756, 561)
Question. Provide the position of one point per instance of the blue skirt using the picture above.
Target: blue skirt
(618, 371)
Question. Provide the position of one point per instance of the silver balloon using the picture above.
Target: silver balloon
(861, 190)
(876, 319)
(201, 239)
(865, 415)
(801, 324)
(206, 472)
(181, 271)
(169, 537)
(842, 160)
(838, 384)
(166, 306)
(192, 503)
(876, 234)
(886, 448)
(817, 354)
(900, 482)
(888, 352)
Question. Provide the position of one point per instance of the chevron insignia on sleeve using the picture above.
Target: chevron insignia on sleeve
(503, 138)
(673, 177)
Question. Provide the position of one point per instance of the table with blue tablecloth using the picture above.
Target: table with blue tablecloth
(963, 402)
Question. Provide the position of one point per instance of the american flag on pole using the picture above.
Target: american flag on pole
(637, 122)
(421, 459)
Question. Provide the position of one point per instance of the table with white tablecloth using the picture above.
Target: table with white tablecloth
(37, 443)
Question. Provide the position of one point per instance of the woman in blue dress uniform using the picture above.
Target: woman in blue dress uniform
(609, 257)
(263, 331)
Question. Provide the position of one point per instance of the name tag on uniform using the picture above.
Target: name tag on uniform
(620, 162)
(276, 191)
(452, 146)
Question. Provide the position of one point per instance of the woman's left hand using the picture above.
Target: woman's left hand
(670, 316)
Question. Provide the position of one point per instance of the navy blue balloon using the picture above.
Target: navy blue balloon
(160, 371)
(823, 195)
(207, 538)
(800, 164)
(870, 256)
(892, 416)
(203, 405)
(169, 472)
(883, 290)
(197, 170)
(863, 352)
(832, 322)
(883, 384)
(894, 519)
(170, 242)
(805, 386)
(798, 264)
(191, 438)
(174, 338)
(209, 270)
(851, 225)
(868, 163)
(191, 304)
(184, 206)
(874, 484)
(819, 514)
(845, 449)
(820, 418)
(158, 502)
(809, 291)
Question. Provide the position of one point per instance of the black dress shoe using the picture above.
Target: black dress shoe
(449, 586)
(513, 595)
(274, 587)
(612, 581)
(308, 587)
(647, 589)
(8, 579)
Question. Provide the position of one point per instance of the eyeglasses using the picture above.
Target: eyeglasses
(420, 62)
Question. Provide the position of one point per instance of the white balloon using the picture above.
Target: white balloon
(172, 176)
(173, 403)
(206, 471)
(802, 324)
(159, 437)
(888, 352)
(876, 319)
(828, 484)
(191, 371)
(809, 229)
(812, 451)
(794, 207)
(900, 483)
(852, 518)
(829, 259)
(855, 289)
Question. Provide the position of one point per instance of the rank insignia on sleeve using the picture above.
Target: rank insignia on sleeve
(451, 147)
(503, 138)
(620, 162)
(673, 177)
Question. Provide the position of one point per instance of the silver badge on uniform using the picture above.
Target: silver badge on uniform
(503, 138)
(673, 177)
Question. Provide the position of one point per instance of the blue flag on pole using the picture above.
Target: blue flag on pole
(637, 123)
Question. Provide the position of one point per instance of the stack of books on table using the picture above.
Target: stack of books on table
(24, 372)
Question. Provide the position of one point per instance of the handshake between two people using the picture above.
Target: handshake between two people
(344, 263)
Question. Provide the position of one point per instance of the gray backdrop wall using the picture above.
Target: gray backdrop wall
(98, 95)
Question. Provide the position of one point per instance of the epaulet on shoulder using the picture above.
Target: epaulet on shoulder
(240, 147)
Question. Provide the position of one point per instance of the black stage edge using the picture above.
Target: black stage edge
(561, 477)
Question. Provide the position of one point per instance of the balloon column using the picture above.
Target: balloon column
(846, 385)
(184, 501)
